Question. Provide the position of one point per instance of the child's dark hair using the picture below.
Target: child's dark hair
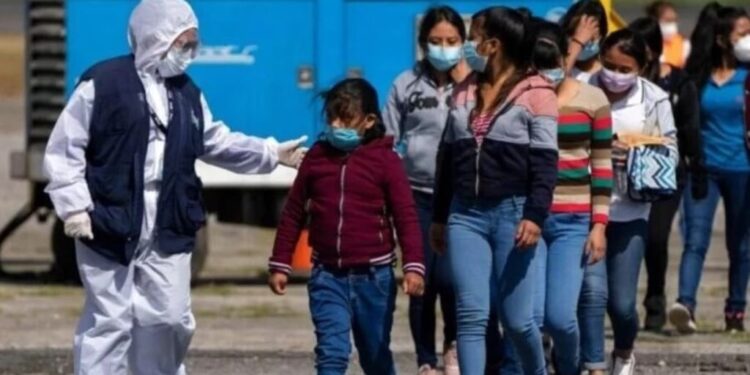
(572, 17)
(710, 40)
(352, 98)
(629, 43)
(655, 9)
(648, 28)
(509, 27)
(550, 44)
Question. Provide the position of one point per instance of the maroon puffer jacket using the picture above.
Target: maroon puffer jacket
(352, 201)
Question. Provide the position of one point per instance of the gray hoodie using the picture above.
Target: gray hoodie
(415, 115)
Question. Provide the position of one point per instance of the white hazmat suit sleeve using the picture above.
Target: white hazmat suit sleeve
(235, 151)
(65, 156)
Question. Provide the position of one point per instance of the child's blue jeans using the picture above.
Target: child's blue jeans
(360, 301)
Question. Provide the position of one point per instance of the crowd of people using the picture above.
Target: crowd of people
(518, 163)
(542, 164)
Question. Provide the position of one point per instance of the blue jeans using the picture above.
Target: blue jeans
(358, 301)
(592, 307)
(484, 261)
(698, 217)
(437, 283)
(559, 262)
(626, 242)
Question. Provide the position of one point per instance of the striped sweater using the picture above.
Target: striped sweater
(584, 182)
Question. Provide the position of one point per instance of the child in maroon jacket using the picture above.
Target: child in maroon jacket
(352, 189)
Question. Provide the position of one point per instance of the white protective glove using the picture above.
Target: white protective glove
(78, 225)
(291, 152)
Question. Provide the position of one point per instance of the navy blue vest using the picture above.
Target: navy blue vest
(116, 153)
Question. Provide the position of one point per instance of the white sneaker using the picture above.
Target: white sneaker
(426, 370)
(623, 366)
(682, 319)
(450, 360)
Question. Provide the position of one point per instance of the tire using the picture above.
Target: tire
(200, 253)
(65, 267)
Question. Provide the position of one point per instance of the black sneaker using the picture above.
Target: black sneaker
(656, 314)
(735, 321)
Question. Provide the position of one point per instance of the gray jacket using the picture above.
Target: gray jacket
(415, 115)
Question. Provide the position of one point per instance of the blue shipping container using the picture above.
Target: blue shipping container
(262, 62)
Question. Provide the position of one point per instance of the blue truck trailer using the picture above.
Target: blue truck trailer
(261, 65)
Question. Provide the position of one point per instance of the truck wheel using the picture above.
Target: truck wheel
(65, 267)
(200, 254)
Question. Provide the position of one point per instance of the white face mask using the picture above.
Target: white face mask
(742, 49)
(668, 29)
(175, 62)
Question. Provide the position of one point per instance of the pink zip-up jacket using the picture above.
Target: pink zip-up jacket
(352, 202)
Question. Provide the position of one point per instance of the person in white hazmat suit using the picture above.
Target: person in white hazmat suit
(121, 164)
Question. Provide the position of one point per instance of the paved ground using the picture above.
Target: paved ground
(243, 329)
(52, 362)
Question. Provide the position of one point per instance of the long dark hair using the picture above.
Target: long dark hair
(648, 29)
(710, 41)
(509, 27)
(549, 44)
(351, 98)
(572, 17)
(629, 43)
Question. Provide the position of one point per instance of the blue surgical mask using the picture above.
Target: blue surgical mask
(589, 51)
(443, 58)
(341, 138)
(556, 76)
(477, 62)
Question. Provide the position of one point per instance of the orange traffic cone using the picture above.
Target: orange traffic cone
(302, 258)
